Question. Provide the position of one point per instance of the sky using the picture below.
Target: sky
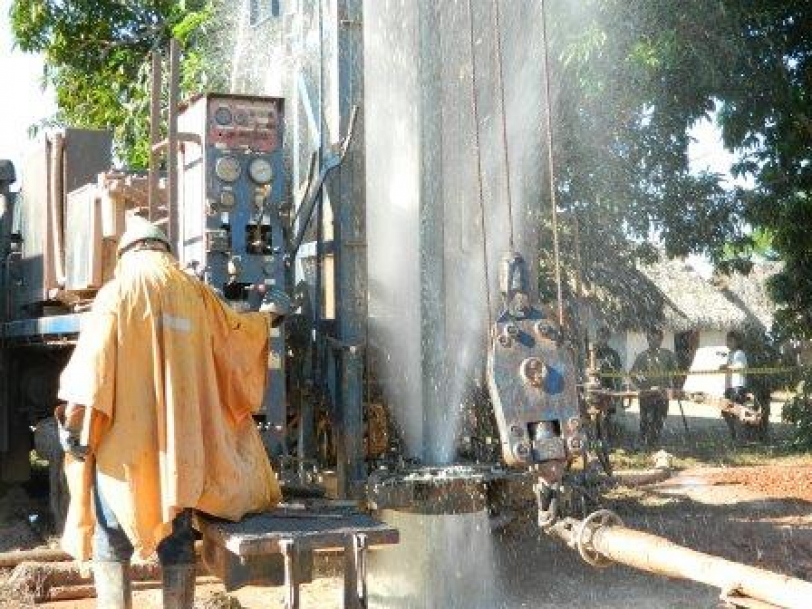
(706, 152)
(22, 102)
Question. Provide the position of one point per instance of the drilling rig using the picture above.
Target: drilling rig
(421, 374)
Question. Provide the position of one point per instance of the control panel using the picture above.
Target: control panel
(232, 189)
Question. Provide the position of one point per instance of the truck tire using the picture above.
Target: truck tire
(15, 463)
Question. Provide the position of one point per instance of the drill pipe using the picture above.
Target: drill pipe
(607, 542)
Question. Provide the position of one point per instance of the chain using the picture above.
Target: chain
(480, 188)
(503, 114)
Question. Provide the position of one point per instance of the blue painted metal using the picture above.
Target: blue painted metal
(347, 188)
(64, 326)
(7, 177)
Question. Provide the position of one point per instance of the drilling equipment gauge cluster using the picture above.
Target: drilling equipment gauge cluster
(231, 193)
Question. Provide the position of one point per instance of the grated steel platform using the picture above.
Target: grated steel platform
(276, 547)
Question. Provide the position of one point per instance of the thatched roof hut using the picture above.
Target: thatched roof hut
(749, 293)
(672, 294)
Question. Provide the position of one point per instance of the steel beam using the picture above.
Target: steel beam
(347, 187)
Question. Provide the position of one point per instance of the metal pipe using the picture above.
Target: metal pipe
(172, 137)
(56, 201)
(350, 264)
(154, 136)
(604, 540)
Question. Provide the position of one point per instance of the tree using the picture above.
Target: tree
(767, 116)
(97, 58)
(633, 77)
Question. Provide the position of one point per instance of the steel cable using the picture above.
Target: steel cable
(503, 115)
(477, 152)
(551, 168)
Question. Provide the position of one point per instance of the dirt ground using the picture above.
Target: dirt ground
(787, 481)
(755, 514)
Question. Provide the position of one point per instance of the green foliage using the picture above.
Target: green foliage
(632, 78)
(798, 412)
(97, 57)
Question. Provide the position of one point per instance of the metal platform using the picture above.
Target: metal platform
(276, 547)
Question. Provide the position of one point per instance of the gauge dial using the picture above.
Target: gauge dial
(241, 117)
(227, 199)
(222, 116)
(260, 171)
(227, 168)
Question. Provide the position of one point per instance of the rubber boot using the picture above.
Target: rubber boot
(178, 586)
(112, 580)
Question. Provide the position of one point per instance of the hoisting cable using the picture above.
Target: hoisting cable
(480, 187)
(551, 167)
(583, 354)
(503, 113)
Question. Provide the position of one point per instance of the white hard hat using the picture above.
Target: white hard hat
(140, 229)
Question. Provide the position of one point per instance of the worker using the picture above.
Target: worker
(159, 395)
(653, 374)
(735, 379)
(607, 361)
(609, 367)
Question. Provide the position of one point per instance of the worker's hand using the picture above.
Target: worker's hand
(276, 302)
(72, 445)
(69, 419)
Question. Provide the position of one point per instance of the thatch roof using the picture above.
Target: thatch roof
(749, 292)
(672, 295)
(694, 304)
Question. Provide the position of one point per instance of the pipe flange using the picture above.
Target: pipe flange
(586, 529)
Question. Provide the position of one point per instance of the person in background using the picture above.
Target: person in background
(609, 367)
(653, 374)
(157, 422)
(735, 379)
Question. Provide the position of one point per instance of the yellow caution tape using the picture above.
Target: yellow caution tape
(760, 370)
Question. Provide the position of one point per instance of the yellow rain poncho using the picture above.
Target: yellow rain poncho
(170, 376)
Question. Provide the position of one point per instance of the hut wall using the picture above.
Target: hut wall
(712, 338)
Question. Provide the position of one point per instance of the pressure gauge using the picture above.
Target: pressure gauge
(227, 199)
(260, 171)
(241, 117)
(222, 116)
(227, 168)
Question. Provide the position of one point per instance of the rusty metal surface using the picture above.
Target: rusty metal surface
(255, 123)
(532, 382)
(455, 489)
(325, 528)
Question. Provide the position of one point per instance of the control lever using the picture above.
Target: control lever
(333, 159)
